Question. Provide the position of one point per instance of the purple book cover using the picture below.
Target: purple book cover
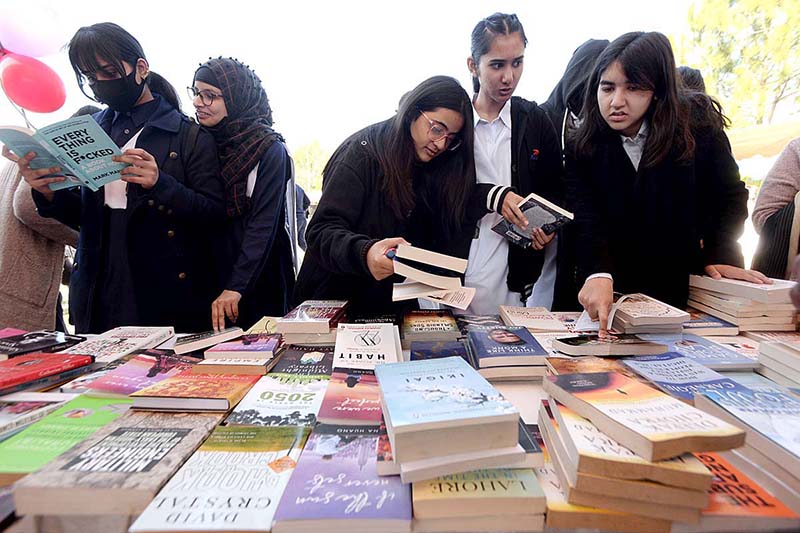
(352, 397)
(336, 478)
(147, 368)
(247, 344)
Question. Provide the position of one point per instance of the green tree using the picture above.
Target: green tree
(749, 54)
(309, 160)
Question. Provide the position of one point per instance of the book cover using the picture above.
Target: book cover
(529, 435)
(612, 344)
(305, 361)
(704, 351)
(587, 364)
(267, 324)
(233, 482)
(540, 213)
(546, 341)
(678, 376)
(10, 332)
(146, 368)
(508, 345)
(650, 423)
(465, 322)
(173, 393)
(642, 310)
(281, 400)
(439, 392)
(568, 318)
(20, 410)
(533, 318)
(27, 370)
(365, 346)
(386, 465)
(123, 340)
(59, 431)
(312, 316)
(119, 469)
(204, 339)
(81, 384)
(257, 345)
(420, 323)
(438, 349)
(739, 344)
(701, 323)
(352, 397)
(336, 479)
(777, 292)
(37, 341)
(78, 145)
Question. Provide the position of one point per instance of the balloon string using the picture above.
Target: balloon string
(19, 109)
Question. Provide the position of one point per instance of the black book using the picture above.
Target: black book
(540, 213)
(46, 341)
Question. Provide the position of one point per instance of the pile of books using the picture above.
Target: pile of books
(312, 322)
(749, 306)
(506, 353)
(780, 362)
(428, 325)
(639, 313)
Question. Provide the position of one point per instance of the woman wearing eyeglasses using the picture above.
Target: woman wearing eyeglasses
(231, 103)
(144, 255)
(408, 179)
(515, 145)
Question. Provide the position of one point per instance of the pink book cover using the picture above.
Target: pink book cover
(147, 368)
(11, 332)
(352, 397)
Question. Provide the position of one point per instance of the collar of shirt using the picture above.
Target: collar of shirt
(139, 114)
(504, 116)
(638, 139)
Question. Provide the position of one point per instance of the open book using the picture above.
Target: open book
(78, 145)
(444, 289)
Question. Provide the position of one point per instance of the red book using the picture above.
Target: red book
(312, 316)
(38, 370)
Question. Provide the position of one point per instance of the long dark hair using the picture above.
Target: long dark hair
(451, 173)
(485, 32)
(647, 60)
(115, 45)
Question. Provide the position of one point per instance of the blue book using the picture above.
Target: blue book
(438, 350)
(771, 420)
(78, 145)
(704, 324)
(505, 346)
(677, 375)
(703, 351)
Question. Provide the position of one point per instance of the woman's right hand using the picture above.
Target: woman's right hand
(35, 177)
(597, 297)
(380, 266)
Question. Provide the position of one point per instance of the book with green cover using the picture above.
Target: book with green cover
(59, 431)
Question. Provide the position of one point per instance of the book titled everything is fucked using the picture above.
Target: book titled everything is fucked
(194, 392)
(652, 424)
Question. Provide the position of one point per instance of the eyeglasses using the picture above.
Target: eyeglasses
(437, 132)
(207, 97)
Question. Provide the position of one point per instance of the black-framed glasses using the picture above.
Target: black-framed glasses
(437, 132)
(207, 97)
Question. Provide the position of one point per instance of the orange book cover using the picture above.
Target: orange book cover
(735, 494)
(231, 387)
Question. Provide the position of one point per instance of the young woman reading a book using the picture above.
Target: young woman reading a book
(144, 251)
(231, 103)
(410, 177)
(515, 145)
(658, 194)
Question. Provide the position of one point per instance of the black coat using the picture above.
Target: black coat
(170, 228)
(646, 227)
(353, 214)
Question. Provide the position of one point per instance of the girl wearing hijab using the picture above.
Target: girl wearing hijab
(410, 179)
(231, 103)
(657, 189)
(143, 249)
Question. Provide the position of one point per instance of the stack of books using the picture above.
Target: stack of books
(639, 313)
(442, 418)
(428, 325)
(536, 319)
(506, 353)
(750, 306)
(701, 323)
(780, 362)
(312, 322)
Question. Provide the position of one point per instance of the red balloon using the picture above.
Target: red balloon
(31, 84)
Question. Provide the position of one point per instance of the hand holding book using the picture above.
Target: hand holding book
(39, 179)
(378, 262)
(511, 210)
(733, 272)
(142, 167)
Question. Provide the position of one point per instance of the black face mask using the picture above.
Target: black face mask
(120, 94)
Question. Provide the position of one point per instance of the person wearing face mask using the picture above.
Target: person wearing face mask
(144, 256)
(658, 192)
(410, 178)
(231, 103)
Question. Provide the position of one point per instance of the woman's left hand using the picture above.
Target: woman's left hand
(226, 304)
(540, 239)
(732, 272)
(142, 168)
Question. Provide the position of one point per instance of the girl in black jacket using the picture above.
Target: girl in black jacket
(143, 251)
(410, 177)
(657, 189)
(231, 103)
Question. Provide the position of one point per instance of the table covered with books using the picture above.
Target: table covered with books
(684, 421)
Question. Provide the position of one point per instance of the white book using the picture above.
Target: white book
(20, 409)
(281, 400)
(777, 292)
(121, 341)
(536, 319)
(422, 469)
(366, 345)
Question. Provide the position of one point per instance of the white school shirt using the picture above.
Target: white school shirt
(487, 269)
(115, 194)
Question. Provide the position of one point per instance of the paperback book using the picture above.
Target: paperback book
(39, 371)
(428, 325)
(587, 364)
(199, 341)
(233, 482)
(312, 316)
(352, 398)
(194, 392)
(534, 318)
(438, 349)
(366, 346)
(540, 213)
(305, 361)
(505, 346)
(121, 341)
(701, 323)
(466, 322)
(255, 346)
(19, 410)
(81, 384)
(777, 292)
(612, 344)
(705, 351)
(36, 341)
(281, 400)
(147, 368)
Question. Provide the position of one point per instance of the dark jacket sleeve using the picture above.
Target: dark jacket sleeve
(265, 219)
(65, 207)
(332, 237)
(201, 194)
(591, 230)
(723, 204)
